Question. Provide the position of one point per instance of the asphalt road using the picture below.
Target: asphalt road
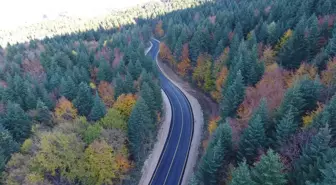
(170, 169)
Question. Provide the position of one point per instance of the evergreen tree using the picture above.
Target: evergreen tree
(7, 143)
(119, 86)
(252, 141)
(104, 71)
(328, 117)
(17, 122)
(306, 167)
(313, 38)
(286, 126)
(68, 88)
(132, 70)
(217, 154)
(129, 84)
(84, 100)
(331, 47)
(148, 95)
(329, 175)
(140, 129)
(43, 113)
(269, 170)
(233, 97)
(241, 175)
(98, 110)
(30, 100)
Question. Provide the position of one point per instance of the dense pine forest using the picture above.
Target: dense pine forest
(80, 103)
(271, 66)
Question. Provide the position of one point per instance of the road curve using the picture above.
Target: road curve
(173, 159)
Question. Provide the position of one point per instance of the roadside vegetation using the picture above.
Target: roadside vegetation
(270, 65)
(80, 102)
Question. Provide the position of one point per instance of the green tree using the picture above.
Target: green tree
(328, 116)
(68, 88)
(140, 129)
(329, 175)
(286, 127)
(242, 175)
(148, 95)
(84, 100)
(43, 113)
(7, 146)
(233, 96)
(306, 167)
(92, 133)
(217, 154)
(119, 86)
(98, 109)
(104, 71)
(17, 122)
(129, 84)
(252, 141)
(269, 170)
(113, 119)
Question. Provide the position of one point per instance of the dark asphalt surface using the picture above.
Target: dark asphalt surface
(173, 159)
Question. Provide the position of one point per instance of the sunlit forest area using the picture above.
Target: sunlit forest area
(80, 103)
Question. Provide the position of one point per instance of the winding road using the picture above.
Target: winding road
(174, 156)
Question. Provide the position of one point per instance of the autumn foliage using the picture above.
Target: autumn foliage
(65, 109)
(124, 104)
(184, 66)
(329, 75)
(106, 93)
(220, 80)
(158, 29)
(166, 55)
(272, 86)
(202, 75)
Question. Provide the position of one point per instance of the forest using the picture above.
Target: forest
(80, 103)
(271, 66)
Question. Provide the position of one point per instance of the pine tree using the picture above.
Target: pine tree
(269, 170)
(218, 151)
(313, 38)
(104, 71)
(98, 110)
(84, 100)
(68, 88)
(43, 113)
(17, 122)
(7, 143)
(132, 70)
(148, 95)
(140, 129)
(328, 117)
(129, 84)
(286, 126)
(252, 141)
(306, 167)
(329, 175)
(119, 86)
(233, 97)
(331, 47)
(242, 175)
